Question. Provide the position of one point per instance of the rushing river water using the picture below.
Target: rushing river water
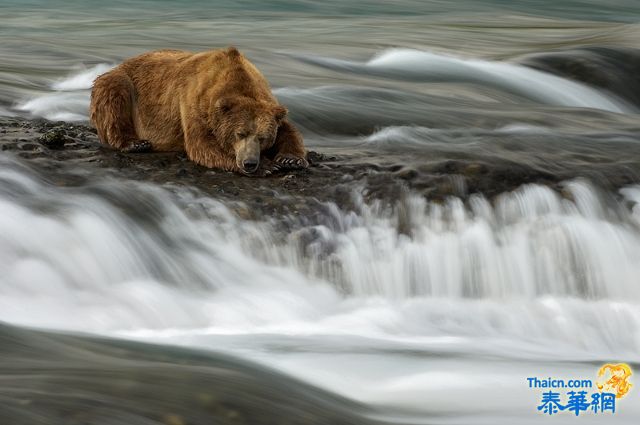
(410, 309)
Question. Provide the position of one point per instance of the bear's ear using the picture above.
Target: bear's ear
(224, 104)
(280, 112)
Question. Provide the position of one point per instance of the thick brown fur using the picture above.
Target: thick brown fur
(214, 105)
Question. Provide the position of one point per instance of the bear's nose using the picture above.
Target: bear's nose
(250, 165)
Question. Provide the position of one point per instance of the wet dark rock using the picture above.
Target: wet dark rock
(335, 173)
(407, 174)
(28, 147)
(475, 169)
(314, 158)
(54, 139)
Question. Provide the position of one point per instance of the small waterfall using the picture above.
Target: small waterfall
(533, 242)
(534, 265)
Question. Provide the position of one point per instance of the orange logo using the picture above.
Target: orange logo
(614, 378)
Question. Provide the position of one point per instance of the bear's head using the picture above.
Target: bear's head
(246, 127)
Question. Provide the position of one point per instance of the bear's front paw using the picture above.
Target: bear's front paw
(290, 162)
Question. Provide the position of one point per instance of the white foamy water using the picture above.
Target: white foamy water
(82, 80)
(427, 67)
(68, 98)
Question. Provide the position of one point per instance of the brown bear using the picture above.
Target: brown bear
(214, 105)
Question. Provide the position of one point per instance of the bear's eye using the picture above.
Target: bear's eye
(242, 134)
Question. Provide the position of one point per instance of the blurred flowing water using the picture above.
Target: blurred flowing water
(408, 307)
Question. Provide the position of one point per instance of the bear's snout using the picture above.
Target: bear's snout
(250, 165)
(248, 154)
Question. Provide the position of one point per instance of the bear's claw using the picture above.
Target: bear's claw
(290, 162)
(138, 146)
